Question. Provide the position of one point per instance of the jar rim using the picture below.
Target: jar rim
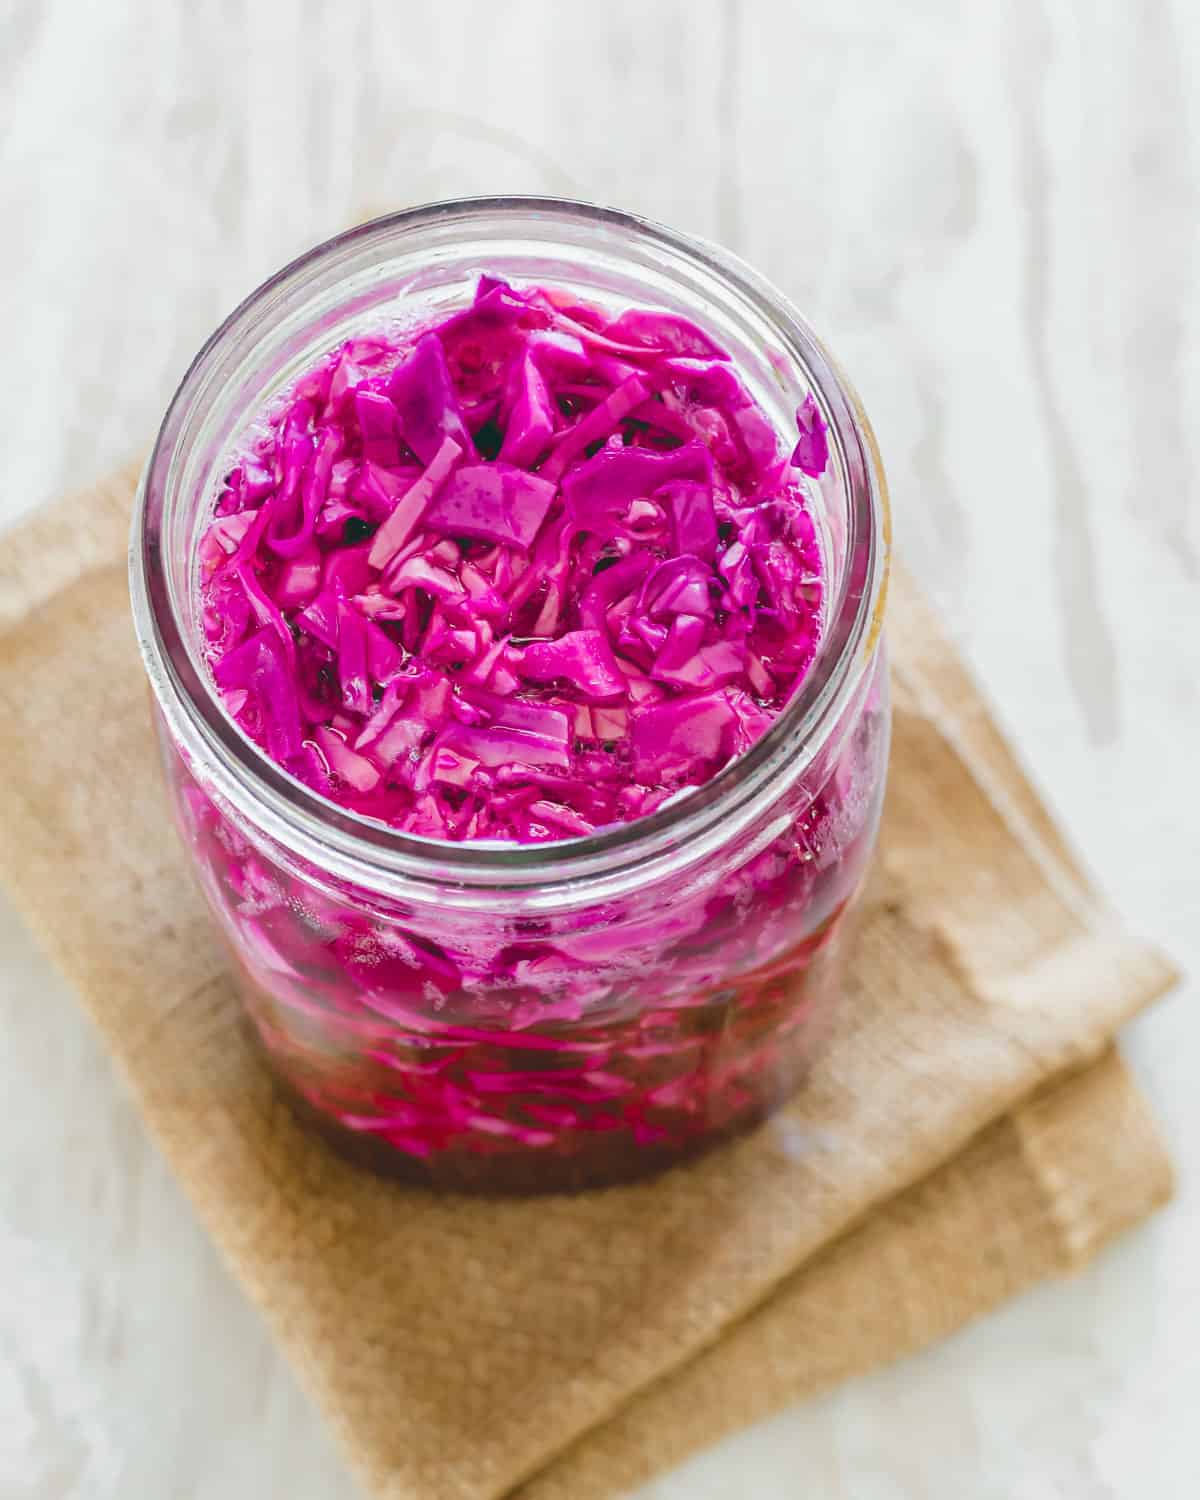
(366, 851)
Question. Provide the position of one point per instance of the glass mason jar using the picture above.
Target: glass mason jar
(521, 1018)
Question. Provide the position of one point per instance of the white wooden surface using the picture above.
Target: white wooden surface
(991, 210)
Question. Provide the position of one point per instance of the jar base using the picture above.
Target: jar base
(606, 1163)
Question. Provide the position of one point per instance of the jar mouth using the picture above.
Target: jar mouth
(358, 848)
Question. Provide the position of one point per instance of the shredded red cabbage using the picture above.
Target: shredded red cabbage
(523, 575)
(528, 503)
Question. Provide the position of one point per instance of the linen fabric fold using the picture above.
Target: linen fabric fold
(569, 1346)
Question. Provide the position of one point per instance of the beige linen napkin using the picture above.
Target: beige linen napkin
(969, 1130)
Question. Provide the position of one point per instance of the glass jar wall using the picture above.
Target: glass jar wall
(502, 1017)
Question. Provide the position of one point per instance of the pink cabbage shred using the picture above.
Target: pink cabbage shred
(518, 576)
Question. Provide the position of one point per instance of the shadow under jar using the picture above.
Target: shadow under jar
(505, 1017)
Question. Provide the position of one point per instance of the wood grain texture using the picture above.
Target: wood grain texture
(991, 213)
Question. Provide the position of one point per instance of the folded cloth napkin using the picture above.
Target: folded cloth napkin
(968, 1130)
